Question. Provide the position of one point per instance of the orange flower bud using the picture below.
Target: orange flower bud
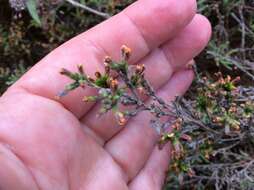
(207, 155)
(126, 52)
(113, 84)
(178, 123)
(65, 72)
(90, 79)
(186, 137)
(228, 78)
(140, 69)
(233, 109)
(107, 69)
(121, 119)
(237, 79)
(191, 172)
(141, 90)
(217, 119)
(80, 69)
(85, 99)
(108, 60)
(97, 74)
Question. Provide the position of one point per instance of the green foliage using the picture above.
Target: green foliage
(220, 123)
(16, 74)
(110, 93)
(231, 47)
(32, 9)
(8, 77)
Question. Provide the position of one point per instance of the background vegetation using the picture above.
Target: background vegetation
(217, 159)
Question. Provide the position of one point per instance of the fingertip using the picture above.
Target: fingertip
(177, 85)
(168, 18)
(183, 77)
(205, 31)
(189, 42)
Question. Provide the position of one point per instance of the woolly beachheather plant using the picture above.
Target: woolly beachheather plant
(121, 85)
(124, 85)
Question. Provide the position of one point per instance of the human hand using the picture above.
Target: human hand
(48, 144)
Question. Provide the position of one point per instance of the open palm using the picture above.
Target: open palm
(48, 144)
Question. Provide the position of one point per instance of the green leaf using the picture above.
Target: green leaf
(102, 81)
(72, 86)
(31, 6)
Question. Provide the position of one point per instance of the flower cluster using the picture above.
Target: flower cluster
(120, 84)
(214, 126)
(220, 102)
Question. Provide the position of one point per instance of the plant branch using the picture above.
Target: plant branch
(89, 9)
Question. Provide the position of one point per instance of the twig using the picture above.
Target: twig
(239, 66)
(243, 28)
(239, 21)
(89, 9)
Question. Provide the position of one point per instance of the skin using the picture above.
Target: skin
(50, 144)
